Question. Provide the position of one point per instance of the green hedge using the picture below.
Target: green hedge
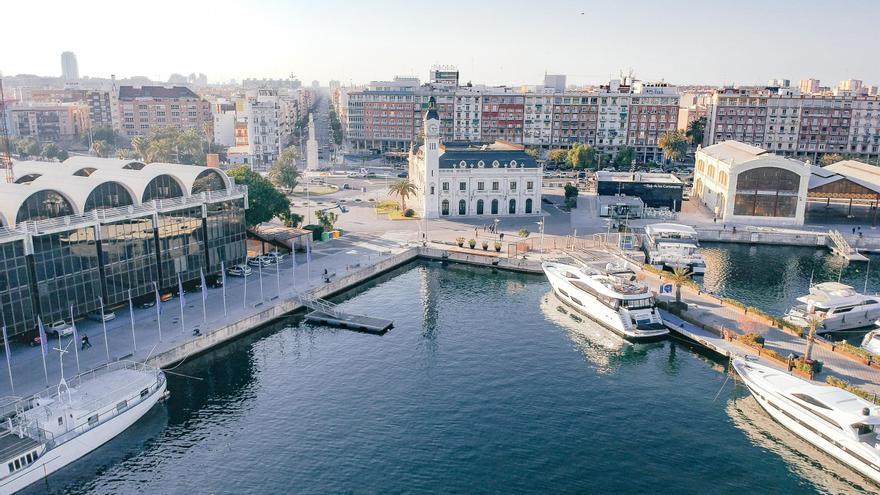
(837, 382)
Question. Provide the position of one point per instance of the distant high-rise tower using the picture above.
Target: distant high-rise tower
(69, 67)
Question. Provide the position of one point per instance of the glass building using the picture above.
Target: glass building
(93, 229)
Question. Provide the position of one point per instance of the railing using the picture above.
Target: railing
(318, 304)
(840, 242)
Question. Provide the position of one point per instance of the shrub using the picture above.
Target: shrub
(837, 382)
(388, 204)
(523, 232)
(752, 339)
(497, 246)
(409, 213)
(571, 203)
(472, 243)
(858, 351)
(460, 241)
(772, 354)
(485, 245)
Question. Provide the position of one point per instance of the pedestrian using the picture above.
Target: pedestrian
(501, 236)
(854, 231)
(85, 342)
(714, 219)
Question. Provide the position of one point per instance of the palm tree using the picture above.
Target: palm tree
(813, 323)
(680, 276)
(140, 144)
(674, 145)
(403, 189)
(100, 148)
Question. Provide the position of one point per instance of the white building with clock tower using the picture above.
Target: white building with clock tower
(472, 180)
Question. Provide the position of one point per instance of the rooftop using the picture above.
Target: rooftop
(637, 177)
(131, 92)
(733, 151)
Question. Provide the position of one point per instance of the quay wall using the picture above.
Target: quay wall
(785, 237)
(279, 308)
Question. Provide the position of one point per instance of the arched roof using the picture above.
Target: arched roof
(78, 162)
(186, 174)
(136, 180)
(77, 189)
(13, 195)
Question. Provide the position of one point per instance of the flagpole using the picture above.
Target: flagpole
(262, 298)
(43, 347)
(244, 272)
(8, 359)
(182, 302)
(75, 339)
(309, 261)
(134, 343)
(158, 310)
(204, 296)
(104, 325)
(223, 282)
(293, 265)
(278, 276)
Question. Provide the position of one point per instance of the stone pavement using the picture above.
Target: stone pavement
(339, 257)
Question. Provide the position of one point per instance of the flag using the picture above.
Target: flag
(158, 298)
(6, 345)
(204, 285)
(43, 340)
(73, 324)
(666, 288)
(223, 274)
(180, 291)
(309, 252)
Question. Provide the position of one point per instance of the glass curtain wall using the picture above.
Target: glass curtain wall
(226, 234)
(128, 253)
(767, 192)
(180, 236)
(16, 302)
(67, 272)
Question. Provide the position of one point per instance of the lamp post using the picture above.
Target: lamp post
(541, 225)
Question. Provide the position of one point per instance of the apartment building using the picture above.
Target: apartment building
(59, 123)
(264, 128)
(144, 108)
(790, 123)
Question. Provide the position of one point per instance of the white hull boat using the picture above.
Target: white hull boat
(48, 431)
(614, 301)
(871, 342)
(671, 246)
(839, 423)
(837, 306)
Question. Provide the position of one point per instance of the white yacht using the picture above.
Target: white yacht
(834, 420)
(43, 433)
(613, 298)
(671, 245)
(871, 342)
(838, 306)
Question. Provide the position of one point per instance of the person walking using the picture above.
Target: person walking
(85, 342)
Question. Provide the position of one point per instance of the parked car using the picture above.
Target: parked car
(346, 186)
(146, 301)
(403, 175)
(96, 316)
(239, 271)
(258, 261)
(166, 297)
(276, 255)
(61, 328)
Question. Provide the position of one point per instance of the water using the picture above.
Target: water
(771, 278)
(482, 386)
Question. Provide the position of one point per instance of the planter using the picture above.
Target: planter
(801, 373)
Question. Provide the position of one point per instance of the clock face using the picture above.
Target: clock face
(432, 128)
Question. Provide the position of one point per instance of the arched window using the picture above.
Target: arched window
(479, 207)
(133, 166)
(767, 192)
(494, 207)
(462, 207)
(209, 180)
(42, 205)
(701, 166)
(108, 195)
(85, 172)
(162, 187)
(24, 179)
(528, 205)
(711, 172)
(511, 208)
(444, 207)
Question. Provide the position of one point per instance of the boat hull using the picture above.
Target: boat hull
(836, 323)
(769, 401)
(601, 313)
(72, 450)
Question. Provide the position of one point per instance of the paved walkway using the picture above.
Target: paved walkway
(339, 257)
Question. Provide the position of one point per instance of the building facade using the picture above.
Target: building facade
(62, 123)
(145, 108)
(744, 183)
(90, 230)
(69, 67)
(473, 181)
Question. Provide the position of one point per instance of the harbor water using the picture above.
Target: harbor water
(484, 385)
(771, 278)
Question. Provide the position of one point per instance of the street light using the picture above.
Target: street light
(541, 225)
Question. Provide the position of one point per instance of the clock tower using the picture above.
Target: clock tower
(431, 154)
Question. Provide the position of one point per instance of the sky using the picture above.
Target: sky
(491, 42)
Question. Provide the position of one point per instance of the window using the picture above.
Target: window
(481, 186)
(444, 207)
(445, 187)
(121, 406)
(462, 186)
(512, 186)
(479, 207)
(432, 190)
(494, 206)
(511, 207)
(495, 185)
(529, 205)
(530, 185)
(93, 420)
(145, 392)
(462, 207)
(810, 400)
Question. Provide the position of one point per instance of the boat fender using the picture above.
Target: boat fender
(866, 411)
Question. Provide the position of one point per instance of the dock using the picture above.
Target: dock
(840, 247)
(327, 313)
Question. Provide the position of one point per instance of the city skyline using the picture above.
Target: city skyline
(490, 43)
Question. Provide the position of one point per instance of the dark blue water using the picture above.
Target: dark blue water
(481, 387)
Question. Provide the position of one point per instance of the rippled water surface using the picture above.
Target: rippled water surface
(482, 386)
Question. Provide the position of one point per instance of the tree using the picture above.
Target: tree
(829, 158)
(126, 154)
(140, 146)
(626, 155)
(680, 276)
(27, 147)
(533, 152)
(570, 191)
(581, 156)
(402, 189)
(696, 130)
(50, 151)
(63, 155)
(264, 200)
(100, 148)
(326, 219)
(674, 145)
(101, 133)
(284, 173)
(813, 323)
(557, 156)
(290, 219)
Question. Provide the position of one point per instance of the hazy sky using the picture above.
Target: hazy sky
(494, 42)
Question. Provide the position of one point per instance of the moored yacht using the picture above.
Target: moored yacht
(613, 298)
(671, 245)
(871, 342)
(838, 306)
(43, 433)
(834, 420)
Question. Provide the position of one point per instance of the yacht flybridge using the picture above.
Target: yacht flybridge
(838, 306)
(844, 425)
(611, 297)
(671, 245)
(43, 433)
